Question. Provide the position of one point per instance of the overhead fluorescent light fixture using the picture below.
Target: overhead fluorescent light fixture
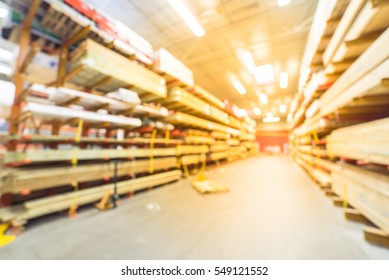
(257, 111)
(283, 79)
(187, 16)
(282, 3)
(263, 98)
(239, 87)
(248, 61)
(242, 113)
(271, 119)
(4, 10)
(282, 108)
(264, 74)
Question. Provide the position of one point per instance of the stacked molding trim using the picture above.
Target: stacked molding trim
(341, 110)
(108, 105)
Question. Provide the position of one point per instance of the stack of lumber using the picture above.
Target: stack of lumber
(192, 149)
(207, 97)
(181, 100)
(315, 161)
(151, 111)
(319, 175)
(312, 150)
(218, 155)
(95, 66)
(199, 140)
(65, 97)
(45, 139)
(35, 156)
(219, 146)
(366, 191)
(368, 142)
(183, 119)
(18, 180)
(173, 70)
(192, 159)
(361, 21)
(363, 77)
(80, 18)
(39, 207)
(48, 113)
(106, 110)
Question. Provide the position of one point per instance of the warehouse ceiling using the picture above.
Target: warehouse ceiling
(274, 35)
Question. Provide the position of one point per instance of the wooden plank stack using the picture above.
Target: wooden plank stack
(92, 63)
(370, 142)
(366, 191)
(344, 118)
(106, 109)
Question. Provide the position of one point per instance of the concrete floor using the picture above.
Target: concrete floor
(273, 211)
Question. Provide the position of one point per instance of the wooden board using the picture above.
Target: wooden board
(18, 180)
(368, 142)
(65, 96)
(172, 69)
(98, 62)
(37, 138)
(199, 140)
(192, 149)
(319, 175)
(192, 159)
(32, 156)
(218, 155)
(49, 113)
(345, 23)
(192, 121)
(366, 191)
(365, 73)
(207, 96)
(44, 206)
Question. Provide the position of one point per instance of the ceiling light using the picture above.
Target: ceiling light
(257, 111)
(242, 112)
(282, 108)
(4, 69)
(271, 119)
(248, 61)
(6, 55)
(187, 16)
(263, 98)
(282, 3)
(239, 87)
(269, 115)
(4, 10)
(283, 79)
(264, 74)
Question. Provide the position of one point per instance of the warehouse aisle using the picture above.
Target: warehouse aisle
(273, 211)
